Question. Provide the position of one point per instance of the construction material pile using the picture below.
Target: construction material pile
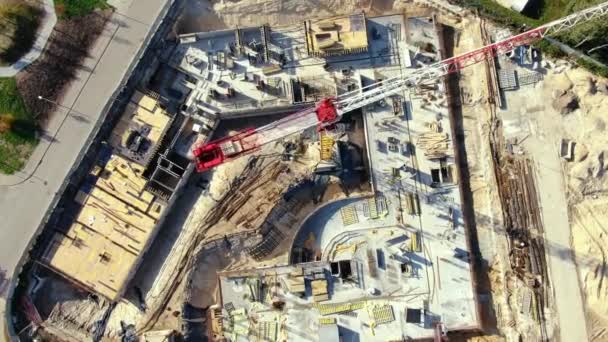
(434, 144)
(523, 223)
(77, 320)
(237, 199)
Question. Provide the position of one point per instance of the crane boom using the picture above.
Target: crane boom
(328, 110)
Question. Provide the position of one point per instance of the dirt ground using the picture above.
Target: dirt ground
(205, 15)
(539, 120)
(588, 190)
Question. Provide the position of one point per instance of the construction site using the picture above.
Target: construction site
(358, 171)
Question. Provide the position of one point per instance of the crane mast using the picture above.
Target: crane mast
(329, 110)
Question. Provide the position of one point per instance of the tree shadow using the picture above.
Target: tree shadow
(24, 129)
(25, 26)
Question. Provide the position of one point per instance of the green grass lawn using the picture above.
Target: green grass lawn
(546, 10)
(78, 8)
(17, 128)
(18, 25)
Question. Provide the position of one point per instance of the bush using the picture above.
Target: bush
(500, 14)
(594, 68)
(550, 49)
(78, 8)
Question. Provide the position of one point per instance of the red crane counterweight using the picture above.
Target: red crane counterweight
(216, 152)
(327, 112)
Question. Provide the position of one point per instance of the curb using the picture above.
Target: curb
(44, 32)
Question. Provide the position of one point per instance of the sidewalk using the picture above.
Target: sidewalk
(45, 30)
(25, 196)
(562, 267)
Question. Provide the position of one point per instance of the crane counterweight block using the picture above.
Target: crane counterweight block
(326, 112)
(216, 152)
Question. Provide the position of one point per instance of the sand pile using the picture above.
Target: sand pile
(204, 15)
(588, 187)
(589, 242)
(564, 102)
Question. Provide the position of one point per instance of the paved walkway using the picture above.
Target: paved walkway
(25, 196)
(562, 267)
(46, 28)
(574, 52)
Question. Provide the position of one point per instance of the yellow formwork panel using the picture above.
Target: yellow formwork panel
(415, 242)
(327, 145)
(349, 215)
(373, 208)
(327, 320)
(329, 309)
(383, 314)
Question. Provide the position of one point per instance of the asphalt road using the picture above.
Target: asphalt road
(25, 196)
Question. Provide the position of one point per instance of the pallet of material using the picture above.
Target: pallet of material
(327, 145)
(373, 208)
(319, 290)
(296, 285)
(268, 331)
(349, 215)
(415, 242)
(297, 272)
(320, 297)
(371, 263)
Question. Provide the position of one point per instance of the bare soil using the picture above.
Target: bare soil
(588, 192)
(204, 15)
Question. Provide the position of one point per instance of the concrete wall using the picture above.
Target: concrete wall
(216, 34)
(250, 112)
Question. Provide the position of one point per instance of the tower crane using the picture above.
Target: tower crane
(329, 110)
